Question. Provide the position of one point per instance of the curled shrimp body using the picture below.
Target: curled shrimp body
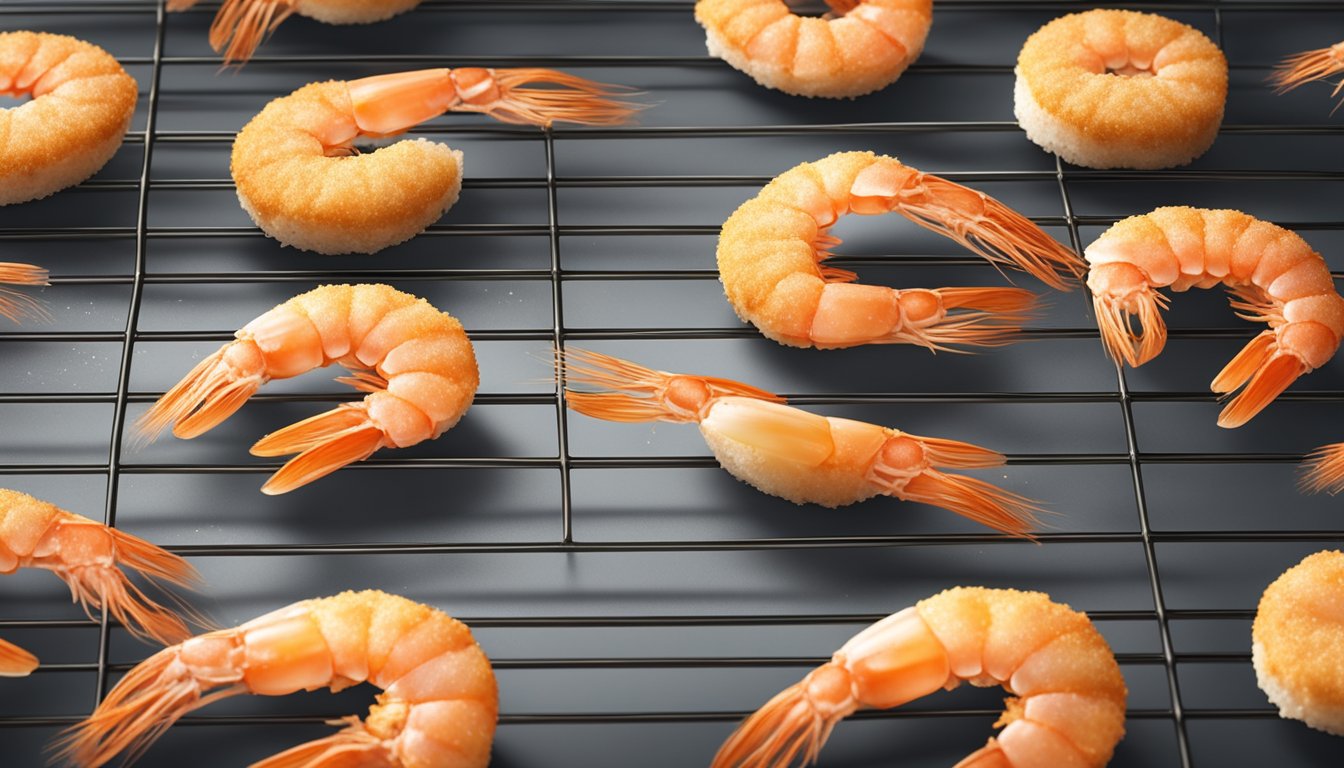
(415, 362)
(241, 25)
(82, 103)
(1274, 277)
(90, 558)
(794, 454)
(1310, 66)
(303, 182)
(862, 46)
(771, 251)
(14, 305)
(1068, 709)
(438, 707)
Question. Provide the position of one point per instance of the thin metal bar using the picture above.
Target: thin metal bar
(1146, 536)
(558, 343)
(128, 339)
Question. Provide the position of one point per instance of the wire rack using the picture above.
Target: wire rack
(636, 600)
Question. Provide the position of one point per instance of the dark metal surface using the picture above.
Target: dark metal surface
(635, 599)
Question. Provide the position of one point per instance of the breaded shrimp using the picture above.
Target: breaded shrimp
(1068, 710)
(771, 251)
(17, 306)
(794, 454)
(82, 103)
(301, 179)
(861, 47)
(90, 557)
(414, 361)
(241, 25)
(1120, 89)
(1274, 277)
(438, 707)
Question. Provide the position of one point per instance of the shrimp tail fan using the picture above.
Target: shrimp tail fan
(350, 747)
(786, 728)
(17, 306)
(973, 498)
(324, 443)
(206, 396)
(567, 98)
(15, 661)
(242, 25)
(145, 703)
(1324, 470)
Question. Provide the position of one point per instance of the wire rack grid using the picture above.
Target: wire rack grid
(635, 600)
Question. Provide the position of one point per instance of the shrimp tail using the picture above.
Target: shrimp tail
(992, 230)
(1308, 66)
(779, 732)
(997, 317)
(242, 25)
(324, 443)
(1270, 373)
(351, 746)
(17, 306)
(633, 393)
(573, 100)
(145, 703)
(210, 393)
(973, 498)
(1324, 470)
(1122, 340)
(15, 661)
(97, 585)
(942, 452)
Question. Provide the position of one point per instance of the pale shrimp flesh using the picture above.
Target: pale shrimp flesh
(794, 454)
(860, 47)
(14, 305)
(1068, 704)
(415, 363)
(771, 253)
(92, 559)
(303, 181)
(1274, 277)
(1310, 66)
(241, 25)
(438, 708)
(82, 103)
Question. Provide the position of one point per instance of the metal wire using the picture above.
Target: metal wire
(556, 275)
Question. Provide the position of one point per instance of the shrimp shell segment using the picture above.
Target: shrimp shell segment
(1068, 709)
(1274, 277)
(771, 250)
(93, 560)
(82, 103)
(862, 47)
(415, 363)
(438, 709)
(1121, 89)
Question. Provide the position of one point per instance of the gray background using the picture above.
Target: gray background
(637, 601)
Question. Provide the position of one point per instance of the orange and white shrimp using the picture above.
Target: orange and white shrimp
(241, 25)
(89, 557)
(1310, 66)
(771, 252)
(1274, 277)
(415, 362)
(17, 306)
(301, 179)
(438, 708)
(1069, 698)
(858, 48)
(82, 103)
(794, 454)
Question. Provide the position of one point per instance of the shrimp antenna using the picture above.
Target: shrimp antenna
(1302, 68)
(242, 25)
(573, 99)
(17, 306)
